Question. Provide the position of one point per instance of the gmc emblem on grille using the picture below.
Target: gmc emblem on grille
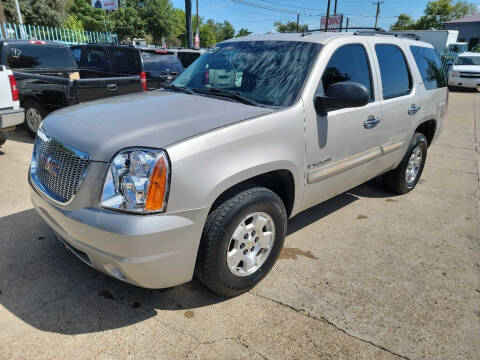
(50, 165)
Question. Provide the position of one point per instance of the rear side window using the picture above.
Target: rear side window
(124, 61)
(430, 67)
(94, 57)
(25, 56)
(348, 63)
(396, 79)
(77, 53)
(161, 62)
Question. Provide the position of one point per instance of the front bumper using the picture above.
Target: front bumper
(470, 83)
(152, 251)
(10, 118)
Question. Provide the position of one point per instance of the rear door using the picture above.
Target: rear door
(343, 146)
(5, 91)
(401, 100)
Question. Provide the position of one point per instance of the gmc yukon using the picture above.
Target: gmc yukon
(255, 131)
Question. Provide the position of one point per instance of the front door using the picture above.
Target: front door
(342, 147)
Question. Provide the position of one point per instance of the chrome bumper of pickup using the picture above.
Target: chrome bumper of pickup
(10, 118)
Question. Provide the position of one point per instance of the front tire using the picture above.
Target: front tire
(241, 241)
(405, 177)
(34, 115)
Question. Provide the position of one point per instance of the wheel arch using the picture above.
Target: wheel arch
(279, 181)
(427, 128)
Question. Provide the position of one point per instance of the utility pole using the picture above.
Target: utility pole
(298, 21)
(348, 22)
(335, 8)
(188, 18)
(197, 14)
(328, 15)
(378, 3)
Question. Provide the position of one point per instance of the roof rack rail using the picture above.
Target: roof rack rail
(389, 33)
(342, 29)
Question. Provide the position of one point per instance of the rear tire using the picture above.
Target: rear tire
(405, 177)
(34, 115)
(3, 138)
(241, 241)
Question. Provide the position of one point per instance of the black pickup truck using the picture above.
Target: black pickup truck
(157, 67)
(49, 79)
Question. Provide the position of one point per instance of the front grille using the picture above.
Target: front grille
(57, 169)
(470, 75)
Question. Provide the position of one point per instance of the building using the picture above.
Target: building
(468, 28)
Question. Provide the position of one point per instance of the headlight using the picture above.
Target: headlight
(137, 181)
(454, 74)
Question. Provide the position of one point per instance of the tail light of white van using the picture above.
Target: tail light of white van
(13, 87)
(143, 80)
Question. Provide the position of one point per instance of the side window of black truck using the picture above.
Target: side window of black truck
(124, 61)
(349, 63)
(396, 78)
(430, 67)
(26, 56)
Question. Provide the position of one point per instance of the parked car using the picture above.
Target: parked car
(49, 79)
(156, 67)
(205, 178)
(465, 72)
(11, 114)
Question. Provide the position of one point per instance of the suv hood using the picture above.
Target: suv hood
(155, 119)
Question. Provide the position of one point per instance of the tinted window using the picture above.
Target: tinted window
(39, 57)
(124, 61)
(468, 60)
(430, 67)
(187, 58)
(77, 54)
(159, 62)
(268, 72)
(396, 79)
(348, 63)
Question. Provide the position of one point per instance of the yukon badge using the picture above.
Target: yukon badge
(50, 165)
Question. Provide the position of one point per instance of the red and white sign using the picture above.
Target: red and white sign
(105, 4)
(334, 23)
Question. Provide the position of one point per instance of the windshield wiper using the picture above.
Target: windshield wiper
(180, 88)
(230, 94)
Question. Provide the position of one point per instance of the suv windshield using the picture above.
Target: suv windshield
(468, 60)
(153, 61)
(267, 72)
(26, 56)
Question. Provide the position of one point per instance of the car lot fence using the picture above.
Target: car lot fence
(47, 33)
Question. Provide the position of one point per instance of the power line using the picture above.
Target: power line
(267, 7)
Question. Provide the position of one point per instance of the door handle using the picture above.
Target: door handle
(371, 122)
(112, 87)
(413, 109)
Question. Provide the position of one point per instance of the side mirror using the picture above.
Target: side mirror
(342, 95)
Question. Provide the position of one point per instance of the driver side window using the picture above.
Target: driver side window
(349, 63)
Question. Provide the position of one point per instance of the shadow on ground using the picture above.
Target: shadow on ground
(50, 289)
(20, 134)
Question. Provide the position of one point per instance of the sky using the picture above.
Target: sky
(360, 12)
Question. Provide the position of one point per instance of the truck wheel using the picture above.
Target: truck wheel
(404, 178)
(34, 115)
(241, 241)
(3, 138)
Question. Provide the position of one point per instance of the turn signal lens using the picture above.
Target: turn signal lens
(157, 186)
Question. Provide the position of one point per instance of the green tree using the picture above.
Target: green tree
(158, 15)
(38, 12)
(128, 22)
(73, 23)
(289, 27)
(226, 31)
(178, 34)
(208, 34)
(404, 22)
(92, 19)
(243, 32)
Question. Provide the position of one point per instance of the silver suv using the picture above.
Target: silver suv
(200, 178)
